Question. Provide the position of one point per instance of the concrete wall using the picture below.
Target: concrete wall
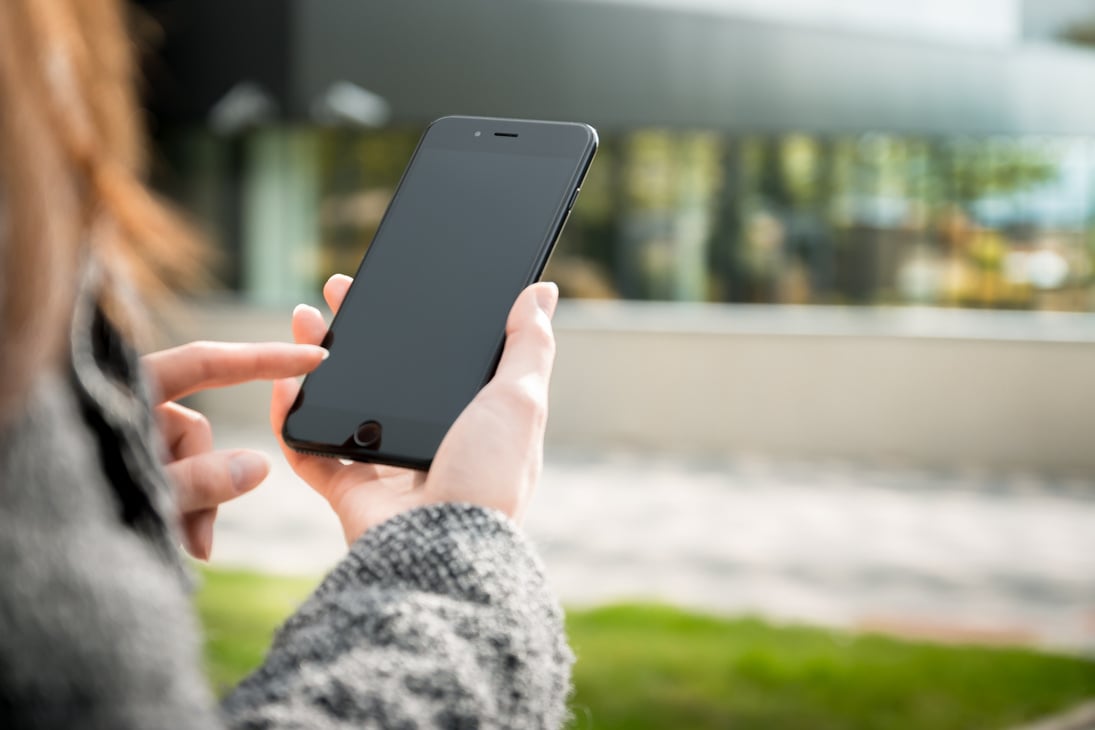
(923, 387)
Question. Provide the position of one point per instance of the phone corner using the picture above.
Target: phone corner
(287, 437)
(594, 136)
(446, 118)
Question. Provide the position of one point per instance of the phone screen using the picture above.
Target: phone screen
(420, 328)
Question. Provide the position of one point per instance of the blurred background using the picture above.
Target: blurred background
(828, 342)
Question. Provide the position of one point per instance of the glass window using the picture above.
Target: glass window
(870, 219)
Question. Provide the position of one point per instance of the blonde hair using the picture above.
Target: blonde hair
(72, 164)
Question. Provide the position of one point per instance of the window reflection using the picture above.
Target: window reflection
(870, 219)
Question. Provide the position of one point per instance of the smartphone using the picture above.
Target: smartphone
(472, 223)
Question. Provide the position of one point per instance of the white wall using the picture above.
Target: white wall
(923, 387)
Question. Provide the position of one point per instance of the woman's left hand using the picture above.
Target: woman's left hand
(204, 478)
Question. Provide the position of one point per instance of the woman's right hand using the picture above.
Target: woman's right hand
(491, 456)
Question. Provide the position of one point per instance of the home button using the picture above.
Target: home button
(367, 435)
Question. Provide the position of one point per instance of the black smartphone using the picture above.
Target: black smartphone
(472, 223)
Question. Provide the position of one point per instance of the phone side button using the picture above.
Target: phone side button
(573, 198)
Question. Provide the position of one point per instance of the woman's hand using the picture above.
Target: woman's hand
(205, 478)
(491, 456)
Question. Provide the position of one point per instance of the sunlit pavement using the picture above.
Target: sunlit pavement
(972, 555)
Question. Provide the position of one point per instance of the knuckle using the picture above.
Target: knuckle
(199, 353)
(199, 348)
(542, 334)
(196, 423)
(188, 431)
(527, 395)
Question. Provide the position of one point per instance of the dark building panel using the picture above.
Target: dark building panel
(616, 65)
(209, 46)
(619, 66)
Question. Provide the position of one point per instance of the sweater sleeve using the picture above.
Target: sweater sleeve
(439, 617)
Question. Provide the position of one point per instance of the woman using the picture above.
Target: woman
(438, 615)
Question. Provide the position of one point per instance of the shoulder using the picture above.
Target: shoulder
(94, 617)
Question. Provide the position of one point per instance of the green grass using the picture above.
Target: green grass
(658, 667)
(240, 611)
(642, 666)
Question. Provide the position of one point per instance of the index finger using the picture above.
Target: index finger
(197, 366)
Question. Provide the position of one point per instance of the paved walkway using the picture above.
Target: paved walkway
(972, 555)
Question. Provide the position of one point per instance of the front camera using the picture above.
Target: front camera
(478, 133)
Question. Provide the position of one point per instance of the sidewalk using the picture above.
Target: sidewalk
(1076, 718)
(957, 556)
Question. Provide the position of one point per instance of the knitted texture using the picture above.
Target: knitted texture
(440, 617)
(437, 618)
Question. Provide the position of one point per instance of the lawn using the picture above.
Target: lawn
(646, 666)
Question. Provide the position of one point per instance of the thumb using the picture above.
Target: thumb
(530, 342)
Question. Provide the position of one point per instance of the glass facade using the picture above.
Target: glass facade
(869, 219)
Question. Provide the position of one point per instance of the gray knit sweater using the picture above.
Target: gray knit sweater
(437, 618)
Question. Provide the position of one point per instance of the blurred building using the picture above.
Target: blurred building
(754, 152)
(796, 152)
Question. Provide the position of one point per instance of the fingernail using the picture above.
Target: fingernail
(547, 297)
(305, 307)
(248, 469)
(204, 538)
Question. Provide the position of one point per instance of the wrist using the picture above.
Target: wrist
(361, 508)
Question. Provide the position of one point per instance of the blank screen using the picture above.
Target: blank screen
(421, 324)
